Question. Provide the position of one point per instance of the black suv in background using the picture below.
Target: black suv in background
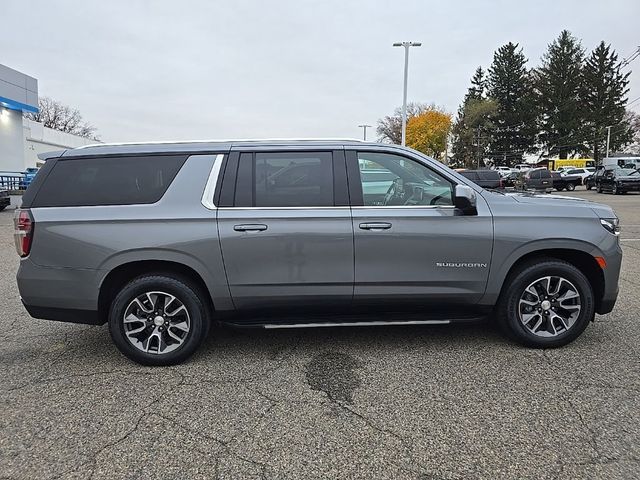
(617, 181)
(535, 179)
(484, 178)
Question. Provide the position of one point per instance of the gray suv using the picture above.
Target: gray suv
(161, 240)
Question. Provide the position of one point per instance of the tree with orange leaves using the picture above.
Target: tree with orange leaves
(428, 131)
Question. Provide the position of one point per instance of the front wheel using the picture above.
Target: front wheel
(589, 186)
(158, 320)
(545, 304)
(615, 189)
(570, 187)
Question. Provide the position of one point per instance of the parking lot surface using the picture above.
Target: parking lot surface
(447, 402)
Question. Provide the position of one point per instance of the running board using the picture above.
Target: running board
(273, 326)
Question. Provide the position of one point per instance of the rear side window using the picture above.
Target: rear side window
(545, 174)
(108, 181)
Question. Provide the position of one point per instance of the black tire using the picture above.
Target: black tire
(2, 207)
(185, 292)
(589, 186)
(559, 188)
(570, 187)
(507, 308)
(599, 188)
(614, 190)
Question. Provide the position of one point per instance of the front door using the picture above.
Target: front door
(411, 244)
(286, 231)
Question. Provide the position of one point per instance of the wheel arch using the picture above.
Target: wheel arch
(582, 260)
(124, 273)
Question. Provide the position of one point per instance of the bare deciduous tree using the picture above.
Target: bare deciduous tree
(57, 116)
(389, 128)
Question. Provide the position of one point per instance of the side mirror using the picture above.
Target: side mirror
(465, 200)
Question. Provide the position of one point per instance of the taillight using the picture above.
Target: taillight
(23, 234)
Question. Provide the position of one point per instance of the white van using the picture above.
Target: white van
(633, 161)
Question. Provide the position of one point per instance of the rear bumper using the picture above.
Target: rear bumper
(90, 317)
(63, 294)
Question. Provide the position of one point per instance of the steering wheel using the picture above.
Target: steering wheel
(436, 198)
(395, 190)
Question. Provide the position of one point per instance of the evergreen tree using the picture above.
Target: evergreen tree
(510, 85)
(478, 85)
(604, 96)
(474, 118)
(557, 84)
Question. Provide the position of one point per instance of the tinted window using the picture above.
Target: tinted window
(488, 175)
(545, 174)
(401, 181)
(297, 179)
(574, 172)
(534, 174)
(470, 174)
(108, 180)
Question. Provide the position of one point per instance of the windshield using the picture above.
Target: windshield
(628, 172)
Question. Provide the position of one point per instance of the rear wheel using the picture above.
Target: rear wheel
(547, 303)
(599, 188)
(158, 320)
(570, 187)
(615, 189)
(589, 186)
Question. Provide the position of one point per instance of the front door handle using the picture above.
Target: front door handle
(375, 226)
(252, 227)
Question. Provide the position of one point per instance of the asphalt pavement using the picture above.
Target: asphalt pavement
(438, 402)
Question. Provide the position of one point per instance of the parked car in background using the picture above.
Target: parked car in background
(161, 241)
(510, 180)
(590, 181)
(503, 171)
(5, 199)
(535, 179)
(618, 181)
(28, 175)
(484, 178)
(522, 167)
(580, 172)
(564, 169)
(568, 182)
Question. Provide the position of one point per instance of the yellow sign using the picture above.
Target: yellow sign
(571, 162)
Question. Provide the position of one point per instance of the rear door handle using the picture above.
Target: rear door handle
(253, 227)
(375, 226)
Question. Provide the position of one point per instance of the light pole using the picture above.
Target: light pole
(608, 139)
(364, 131)
(406, 46)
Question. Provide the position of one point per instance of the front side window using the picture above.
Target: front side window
(287, 179)
(393, 180)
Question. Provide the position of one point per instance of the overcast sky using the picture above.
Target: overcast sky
(162, 70)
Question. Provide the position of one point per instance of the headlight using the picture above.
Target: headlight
(612, 225)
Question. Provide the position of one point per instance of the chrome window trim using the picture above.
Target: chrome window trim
(428, 207)
(212, 181)
(333, 207)
(358, 207)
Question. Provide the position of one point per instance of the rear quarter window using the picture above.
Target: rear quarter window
(76, 182)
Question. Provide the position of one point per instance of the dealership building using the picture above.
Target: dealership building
(21, 139)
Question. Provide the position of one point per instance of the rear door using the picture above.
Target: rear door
(285, 228)
(411, 246)
(546, 182)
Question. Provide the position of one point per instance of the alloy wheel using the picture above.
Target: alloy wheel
(156, 322)
(549, 306)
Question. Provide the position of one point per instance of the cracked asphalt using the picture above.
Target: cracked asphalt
(445, 402)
